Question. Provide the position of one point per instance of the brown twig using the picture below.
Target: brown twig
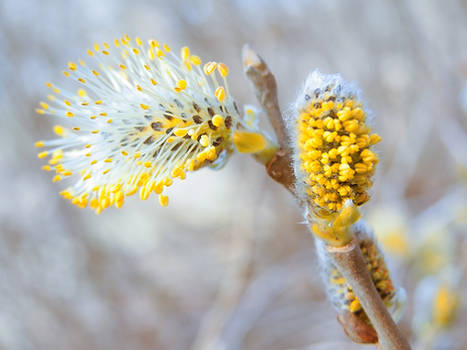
(264, 83)
(348, 259)
(350, 262)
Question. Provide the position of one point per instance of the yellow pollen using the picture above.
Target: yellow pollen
(336, 163)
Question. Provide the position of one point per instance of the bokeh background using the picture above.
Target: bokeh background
(228, 265)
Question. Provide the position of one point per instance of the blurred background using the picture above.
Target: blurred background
(228, 265)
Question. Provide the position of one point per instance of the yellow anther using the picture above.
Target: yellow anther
(223, 70)
(143, 106)
(181, 85)
(167, 181)
(43, 154)
(96, 47)
(154, 43)
(220, 93)
(374, 139)
(135, 51)
(166, 48)
(39, 144)
(138, 41)
(81, 80)
(148, 164)
(59, 130)
(40, 111)
(65, 73)
(217, 120)
(204, 141)
(119, 199)
(185, 53)
(195, 60)
(72, 66)
(82, 93)
(44, 105)
(180, 132)
(96, 73)
(163, 200)
(209, 67)
(153, 82)
(56, 178)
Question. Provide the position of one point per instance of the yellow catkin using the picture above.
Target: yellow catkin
(333, 142)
